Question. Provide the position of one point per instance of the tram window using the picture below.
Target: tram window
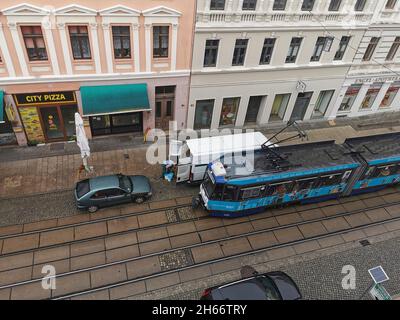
(346, 176)
(217, 194)
(331, 180)
(279, 189)
(304, 184)
(384, 171)
(368, 173)
(251, 192)
(229, 193)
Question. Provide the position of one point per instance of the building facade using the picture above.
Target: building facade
(119, 63)
(373, 81)
(259, 62)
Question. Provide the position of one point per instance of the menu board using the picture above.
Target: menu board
(31, 121)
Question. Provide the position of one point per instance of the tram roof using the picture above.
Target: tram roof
(377, 146)
(300, 158)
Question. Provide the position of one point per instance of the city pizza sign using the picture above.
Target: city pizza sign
(34, 99)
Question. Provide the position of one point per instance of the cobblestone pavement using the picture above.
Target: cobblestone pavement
(318, 274)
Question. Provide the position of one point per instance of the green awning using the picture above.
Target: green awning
(1, 106)
(98, 100)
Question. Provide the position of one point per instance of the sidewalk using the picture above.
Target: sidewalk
(54, 167)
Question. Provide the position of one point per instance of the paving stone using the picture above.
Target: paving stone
(374, 201)
(73, 220)
(56, 237)
(336, 224)
(121, 240)
(98, 295)
(162, 281)
(357, 219)
(223, 266)
(31, 291)
(355, 205)
(10, 230)
(122, 253)
(377, 215)
(105, 213)
(280, 253)
(143, 267)
(330, 241)
(15, 275)
(127, 290)
(392, 226)
(312, 229)
(134, 208)
(235, 246)
(374, 230)
(87, 261)
(154, 246)
(52, 254)
(288, 219)
(181, 228)
(312, 214)
(264, 224)
(239, 229)
(152, 234)
(208, 223)
(162, 204)
(394, 211)
(184, 240)
(123, 224)
(86, 247)
(207, 252)
(306, 247)
(5, 294)
(213, 234)
(34, 226)
(230, 221)
(152, 219)
(90, 230)
(353, 236)
(288, 234)
(262, 240)
(16, 261)
(333, 210)
(108, 275)
(71, 283)
(20, 243)
(60, 266)
(391, 198)
(183, 200)
(195, 273)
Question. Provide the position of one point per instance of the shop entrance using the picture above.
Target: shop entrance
(301, 105)
(116, 123)
(58, 122)
(165, 101)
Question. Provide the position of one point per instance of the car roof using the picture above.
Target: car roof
(104, 182)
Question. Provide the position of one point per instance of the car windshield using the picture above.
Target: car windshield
(254, 289)
(125, 183)
(82, 188)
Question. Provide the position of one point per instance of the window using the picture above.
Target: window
(371, 49)
(304, 184)
(390, 4)
(308, 5)
(385, 171)
(322, 104)
(360, 5)
(82, 188)
(319, 47)
(334, 5)
(350, 97)
(279, 5)
(371, 95)
(229, 111)
(330, 180)
(99, 195)
(160, 41)
(249, 5)
(239, 53)
(165, 90)
(34, 43)
(249, 193)
(390, 95)
(211, 53)
(114, 192)
(122, 42)
(344, 42)
(280, 189)
(229, 193)
(393, 50)
(80, 42)
(267, 51)
(203, 114)
(217, 5)
(169, 109)
(294, 50)
(279, 107)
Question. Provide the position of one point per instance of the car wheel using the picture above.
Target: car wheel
(139, 200)
(93, 209)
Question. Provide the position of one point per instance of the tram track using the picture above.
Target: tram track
(225, 240)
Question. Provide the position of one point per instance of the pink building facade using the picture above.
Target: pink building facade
(123, 64)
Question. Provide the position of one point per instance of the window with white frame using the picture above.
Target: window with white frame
(268, 49)
(344, 42)
(319, 48)
(393, 50)
(334, 5)
(239, 54)
(371, 48)
(279, 5)
(360, 5)
(217, 5)
(294, 49)
(249, 5)
(211, 53)
(390, 4)
(307, 5)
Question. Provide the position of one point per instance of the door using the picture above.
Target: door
(52, 125)
(164, 113)
(253, 109)
(301, 105)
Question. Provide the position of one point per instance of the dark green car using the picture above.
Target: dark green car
(92, 194)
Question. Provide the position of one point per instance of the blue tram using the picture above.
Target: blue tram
(305, 173)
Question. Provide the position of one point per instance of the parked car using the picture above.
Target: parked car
(94, 193)
(269, 286)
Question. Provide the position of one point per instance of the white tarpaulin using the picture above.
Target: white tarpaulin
(82, 140)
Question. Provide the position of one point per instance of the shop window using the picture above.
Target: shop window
(391, 93)
(80, 42)
(122, 42)
(350, 97)
(279, 107)
(229, 111)
(160, 41)
(322, 104)
(371, 95)
(203, 114)
(34, 43)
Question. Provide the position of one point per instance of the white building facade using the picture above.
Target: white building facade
(258, 62)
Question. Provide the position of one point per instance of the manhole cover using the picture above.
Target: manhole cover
(176, 259)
